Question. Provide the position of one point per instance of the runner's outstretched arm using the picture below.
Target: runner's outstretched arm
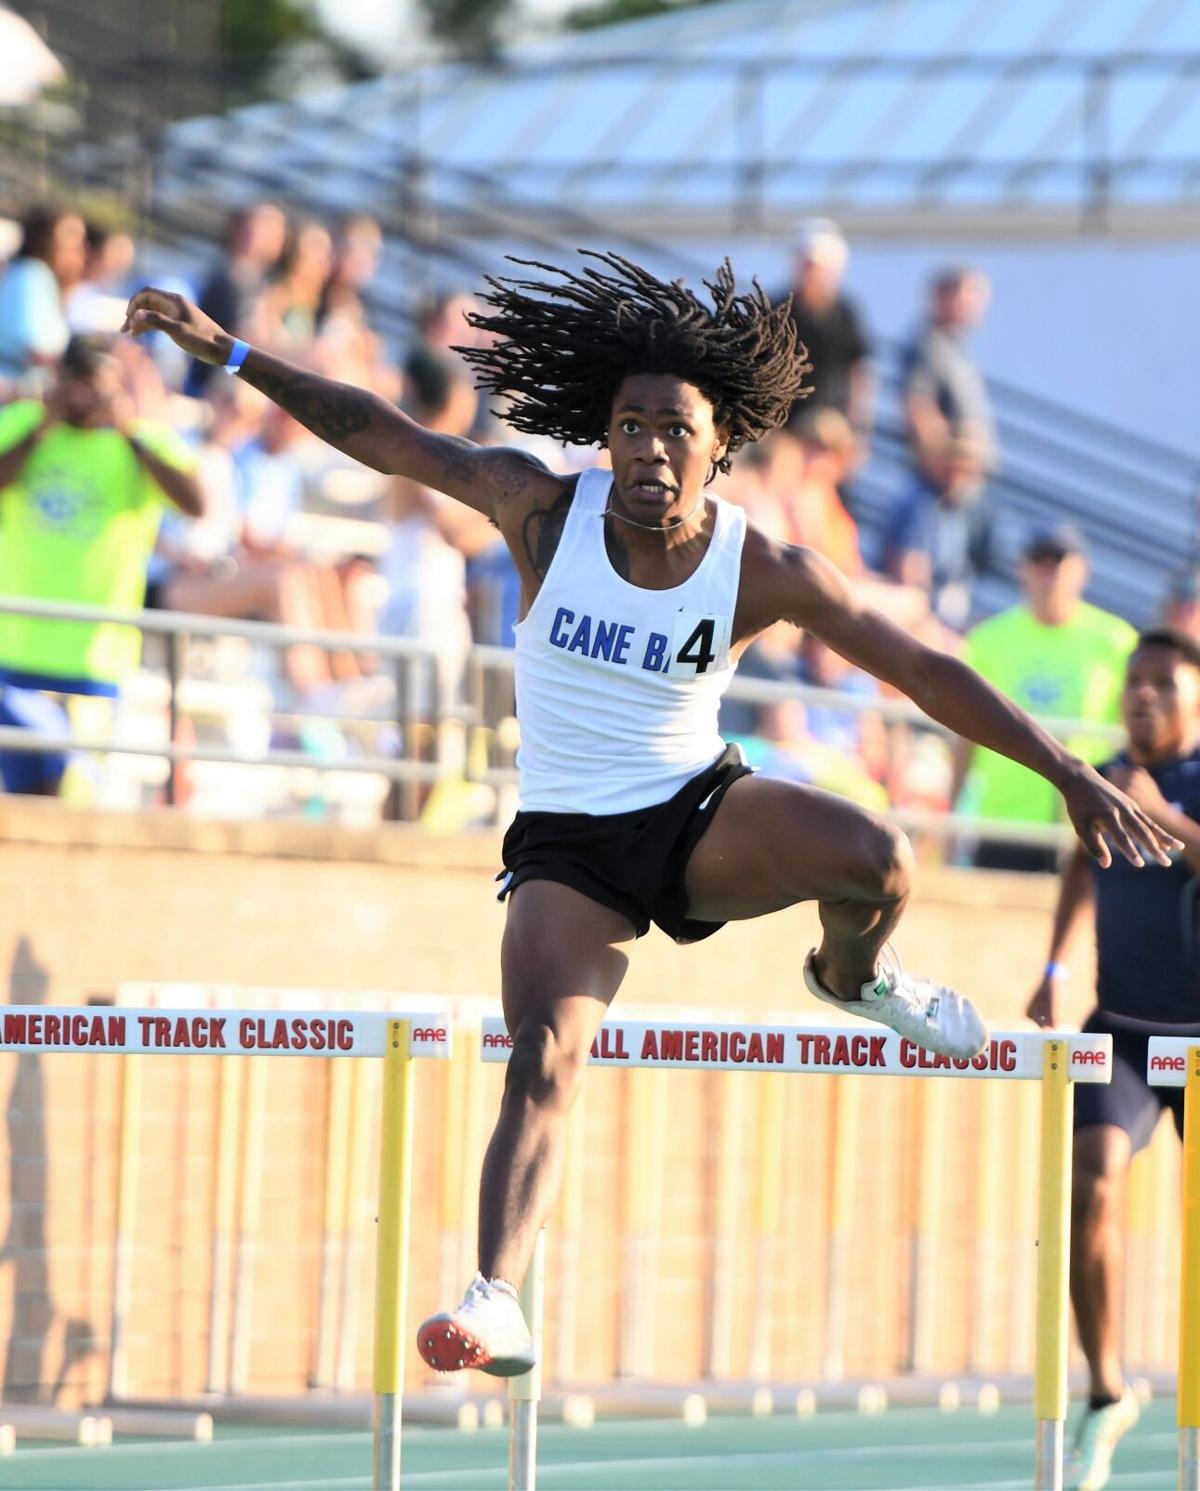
(351, 419)
(801, 586)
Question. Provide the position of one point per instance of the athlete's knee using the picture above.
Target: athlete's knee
(1094, 1195)
(544, 1069)
(885, 860)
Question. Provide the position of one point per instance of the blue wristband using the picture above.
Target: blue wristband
(237, 356)
(1056, 970)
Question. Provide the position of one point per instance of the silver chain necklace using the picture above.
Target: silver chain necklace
(652, 527)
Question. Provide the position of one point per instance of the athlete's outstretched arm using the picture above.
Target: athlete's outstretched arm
(799, 585)
(353, 420)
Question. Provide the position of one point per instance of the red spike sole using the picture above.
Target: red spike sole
(446, 1348)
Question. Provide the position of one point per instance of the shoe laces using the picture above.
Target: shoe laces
(891, 969)
(477, 1293)
(890, 964)
(482, 1291)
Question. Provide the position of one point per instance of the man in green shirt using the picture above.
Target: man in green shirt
(1053, 655)
(82, 485)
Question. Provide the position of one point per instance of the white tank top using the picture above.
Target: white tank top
(618, 687)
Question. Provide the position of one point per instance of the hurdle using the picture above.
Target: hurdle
(395, 1038)
(1174, 1061)
(1055, 1060)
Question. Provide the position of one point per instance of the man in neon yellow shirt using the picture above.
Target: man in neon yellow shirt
(82, 485)
(1053, 655)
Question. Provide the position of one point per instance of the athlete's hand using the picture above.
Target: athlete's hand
(1100, 811)
(1042, 1009)
(1140, 787)
(186, 324)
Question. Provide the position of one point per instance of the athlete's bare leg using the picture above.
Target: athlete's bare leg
(561, 967)
(1101, 1162)
(772, 844)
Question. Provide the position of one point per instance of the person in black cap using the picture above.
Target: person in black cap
(1053, 654)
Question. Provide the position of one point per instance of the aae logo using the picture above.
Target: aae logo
(1168, 1064)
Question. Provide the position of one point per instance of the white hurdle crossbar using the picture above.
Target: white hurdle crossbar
(1057, 1060)
(393, 1036)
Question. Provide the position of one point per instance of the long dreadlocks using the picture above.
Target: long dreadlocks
(563, 347)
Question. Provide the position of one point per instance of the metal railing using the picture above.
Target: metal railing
(435, 746)
(179, 628)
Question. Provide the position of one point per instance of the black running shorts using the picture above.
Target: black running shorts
(1128, 1101)
(634, 862)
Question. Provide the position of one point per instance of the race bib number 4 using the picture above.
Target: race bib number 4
(700, 644)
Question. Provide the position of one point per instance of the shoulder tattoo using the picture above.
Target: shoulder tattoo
(501, 476)
(506, 475)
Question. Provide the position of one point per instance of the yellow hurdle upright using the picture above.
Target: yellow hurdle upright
(1189, 1300)
(1053, 1274)
(1174, 1061)
(391, 1268)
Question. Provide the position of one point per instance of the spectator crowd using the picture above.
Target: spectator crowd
(130, 475)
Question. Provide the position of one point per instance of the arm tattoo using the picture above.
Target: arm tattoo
(542, 530)
(333, 411)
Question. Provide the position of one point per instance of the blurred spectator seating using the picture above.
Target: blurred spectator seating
(254, 243)
(347, 346)
(1181, 604)
(811, 458)
(96, 305)
(259, 555)
(442, 324)
(939, 534)
(945, 395)
(843, 751)
(33, 293)
(284, 318)
(830, 328)
(430, 536)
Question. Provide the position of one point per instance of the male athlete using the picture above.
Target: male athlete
(1146, 977)
(640, 592)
